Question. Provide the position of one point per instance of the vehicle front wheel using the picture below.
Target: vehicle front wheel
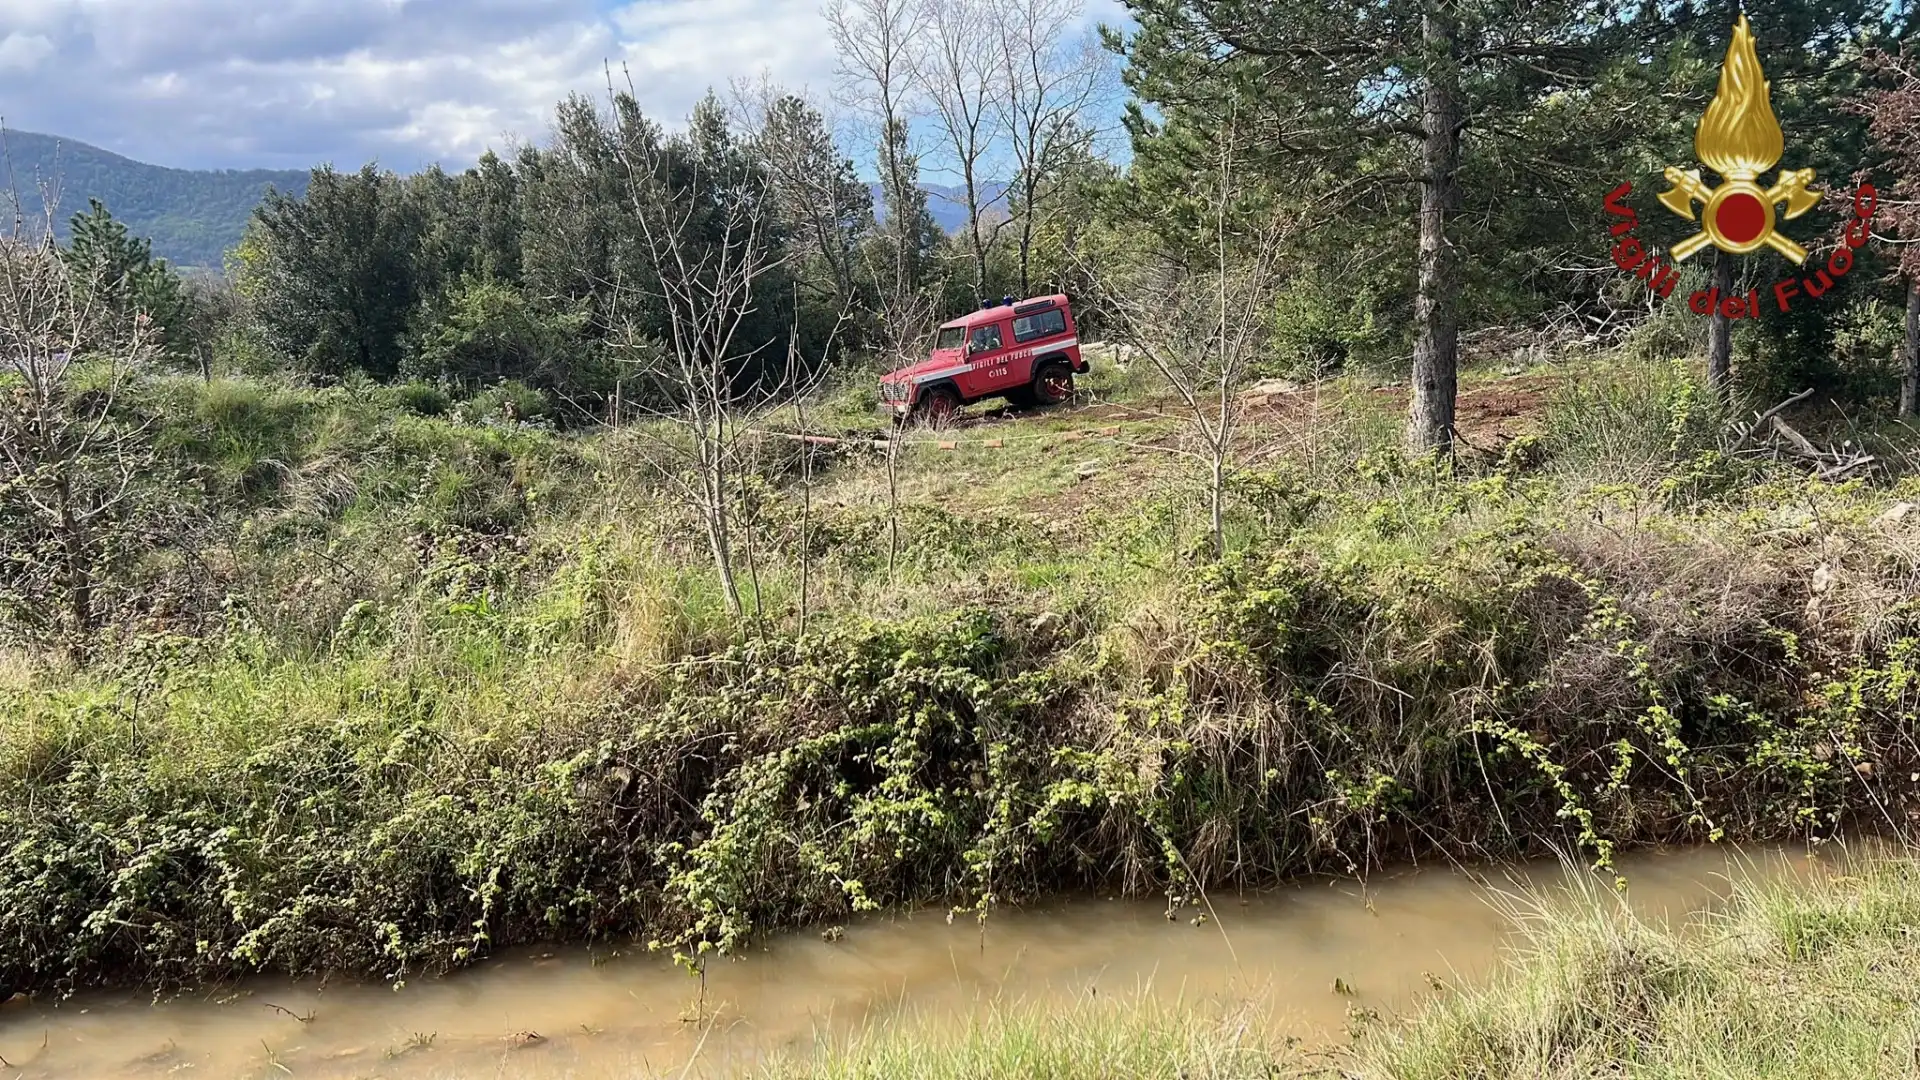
(1053, 383)
(937, 407)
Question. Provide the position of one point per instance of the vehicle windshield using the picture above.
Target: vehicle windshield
(950, 337)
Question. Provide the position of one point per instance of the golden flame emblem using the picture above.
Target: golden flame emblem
(1740, 138)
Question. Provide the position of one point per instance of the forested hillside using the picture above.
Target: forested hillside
(195, 216)
(516, 553)
(191, 216)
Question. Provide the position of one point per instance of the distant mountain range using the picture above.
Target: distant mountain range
(948, 205)
(194, 216)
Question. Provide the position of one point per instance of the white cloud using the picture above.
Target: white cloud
(677, 49)
(23, 52)
(290, 83)
(286, 83)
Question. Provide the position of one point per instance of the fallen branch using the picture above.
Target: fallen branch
(1764, 418)
(1797, 441)
(1831, 465)
(1842, 471)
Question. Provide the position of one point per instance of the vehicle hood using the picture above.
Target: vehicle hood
(941, 360)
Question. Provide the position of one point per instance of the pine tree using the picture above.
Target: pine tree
(815, 187)
(1894, 108)
(1377, 109)
(100, 249)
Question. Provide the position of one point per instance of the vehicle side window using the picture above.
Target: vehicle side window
(1040, 324)
(986, 338)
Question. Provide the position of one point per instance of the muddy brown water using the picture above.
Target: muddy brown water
(618, 1013)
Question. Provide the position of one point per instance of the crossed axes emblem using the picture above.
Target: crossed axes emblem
(1739, 215)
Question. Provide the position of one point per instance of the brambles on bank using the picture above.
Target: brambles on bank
(431, 687)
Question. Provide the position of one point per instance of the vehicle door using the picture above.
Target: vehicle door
(987, 350)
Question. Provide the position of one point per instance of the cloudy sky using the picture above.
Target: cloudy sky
(289, 83)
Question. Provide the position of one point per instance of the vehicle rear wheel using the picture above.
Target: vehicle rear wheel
(1053, 383)
(937, 407)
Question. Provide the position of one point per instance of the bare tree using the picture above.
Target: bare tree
(873, 39)
(803, 385)
(904, 326)
(964, 79)
(706, 240)
(69, 461)
(1204, 329)
(1053, 77)
(806, 485)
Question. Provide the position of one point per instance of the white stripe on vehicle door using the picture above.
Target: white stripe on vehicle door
(941, 374)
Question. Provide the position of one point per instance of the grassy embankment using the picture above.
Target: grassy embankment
(432, 686)
(1793, 981)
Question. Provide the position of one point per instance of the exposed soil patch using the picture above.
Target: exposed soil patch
(1290, 423)
(1497, 412)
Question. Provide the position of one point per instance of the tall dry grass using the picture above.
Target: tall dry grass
(1808, 976)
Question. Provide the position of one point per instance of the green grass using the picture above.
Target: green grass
(1136, 1038)
(1794, 981)
(440, 687)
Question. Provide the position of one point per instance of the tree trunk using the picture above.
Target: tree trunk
(722, 546)
(806, 503)
(1218, 500)
(1026, 243)
(893, 503)
(79, 576)
(1910, 379)
(1436, 351)
(1026, 259)
(719, 539)
(1720, 332)
(890, 142)
(979, 243)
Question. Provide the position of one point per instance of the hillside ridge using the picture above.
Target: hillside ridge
(193, 216)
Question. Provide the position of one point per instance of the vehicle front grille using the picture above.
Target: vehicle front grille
(893, 391)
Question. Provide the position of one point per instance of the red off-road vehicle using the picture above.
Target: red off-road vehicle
(1026, 352)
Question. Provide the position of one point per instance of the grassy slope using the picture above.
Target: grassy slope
(475, 686)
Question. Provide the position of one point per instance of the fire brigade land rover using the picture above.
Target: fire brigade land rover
(1026, 352)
